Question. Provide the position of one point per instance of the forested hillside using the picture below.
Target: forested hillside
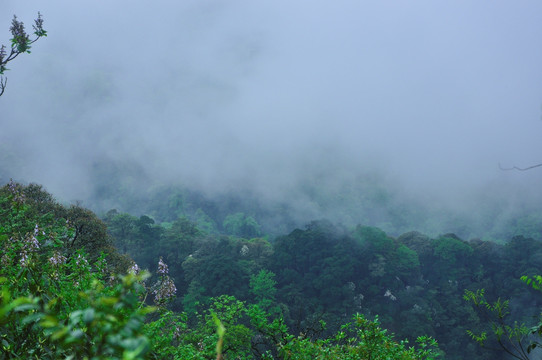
(286, 297)
(414, 283)
(67, 293)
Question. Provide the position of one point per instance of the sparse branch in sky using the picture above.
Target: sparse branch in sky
(520, 169)
(20, 43)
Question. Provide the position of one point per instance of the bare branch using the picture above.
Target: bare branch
(520, 169)
(3, 83)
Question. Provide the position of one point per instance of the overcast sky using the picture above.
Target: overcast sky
(262, 93)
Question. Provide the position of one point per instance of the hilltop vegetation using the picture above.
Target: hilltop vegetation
(414, 283)
(63, 296)
(75, 284)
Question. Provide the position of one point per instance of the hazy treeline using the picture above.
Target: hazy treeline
(413, 282)
(495, 212)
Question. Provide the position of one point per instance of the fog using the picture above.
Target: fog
(259, 96)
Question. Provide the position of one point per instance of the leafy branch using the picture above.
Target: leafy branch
(20, 43)
(511, 338)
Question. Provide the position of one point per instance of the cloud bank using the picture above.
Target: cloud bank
(261, 96)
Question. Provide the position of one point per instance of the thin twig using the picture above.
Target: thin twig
(520, 169)
(3, 83)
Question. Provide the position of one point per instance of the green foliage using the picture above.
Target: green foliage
(220, 331)
(194, 297)
(536, 283)
(451, 249)
(278, 299)
(514, 337)
(374, 238)
(123, 228)
(164, 337)
(55, 303)
(109, 324)
(361, 339)
(239, 224)
(406, 261)
(262, 286)
(235, 342)
(20, 44)
(325, 273)
(205, 222)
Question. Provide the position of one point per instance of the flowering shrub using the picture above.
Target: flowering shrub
(54, 303)
(20, 43)
(162, 267)
(164, 290)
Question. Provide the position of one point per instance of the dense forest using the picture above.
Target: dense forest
(125, 286)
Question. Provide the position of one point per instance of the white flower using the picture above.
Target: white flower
(134, 269)
(57, 259)
(162, 267)
(390, 295)
(244, 250)
(164, 290)
(81, 260)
